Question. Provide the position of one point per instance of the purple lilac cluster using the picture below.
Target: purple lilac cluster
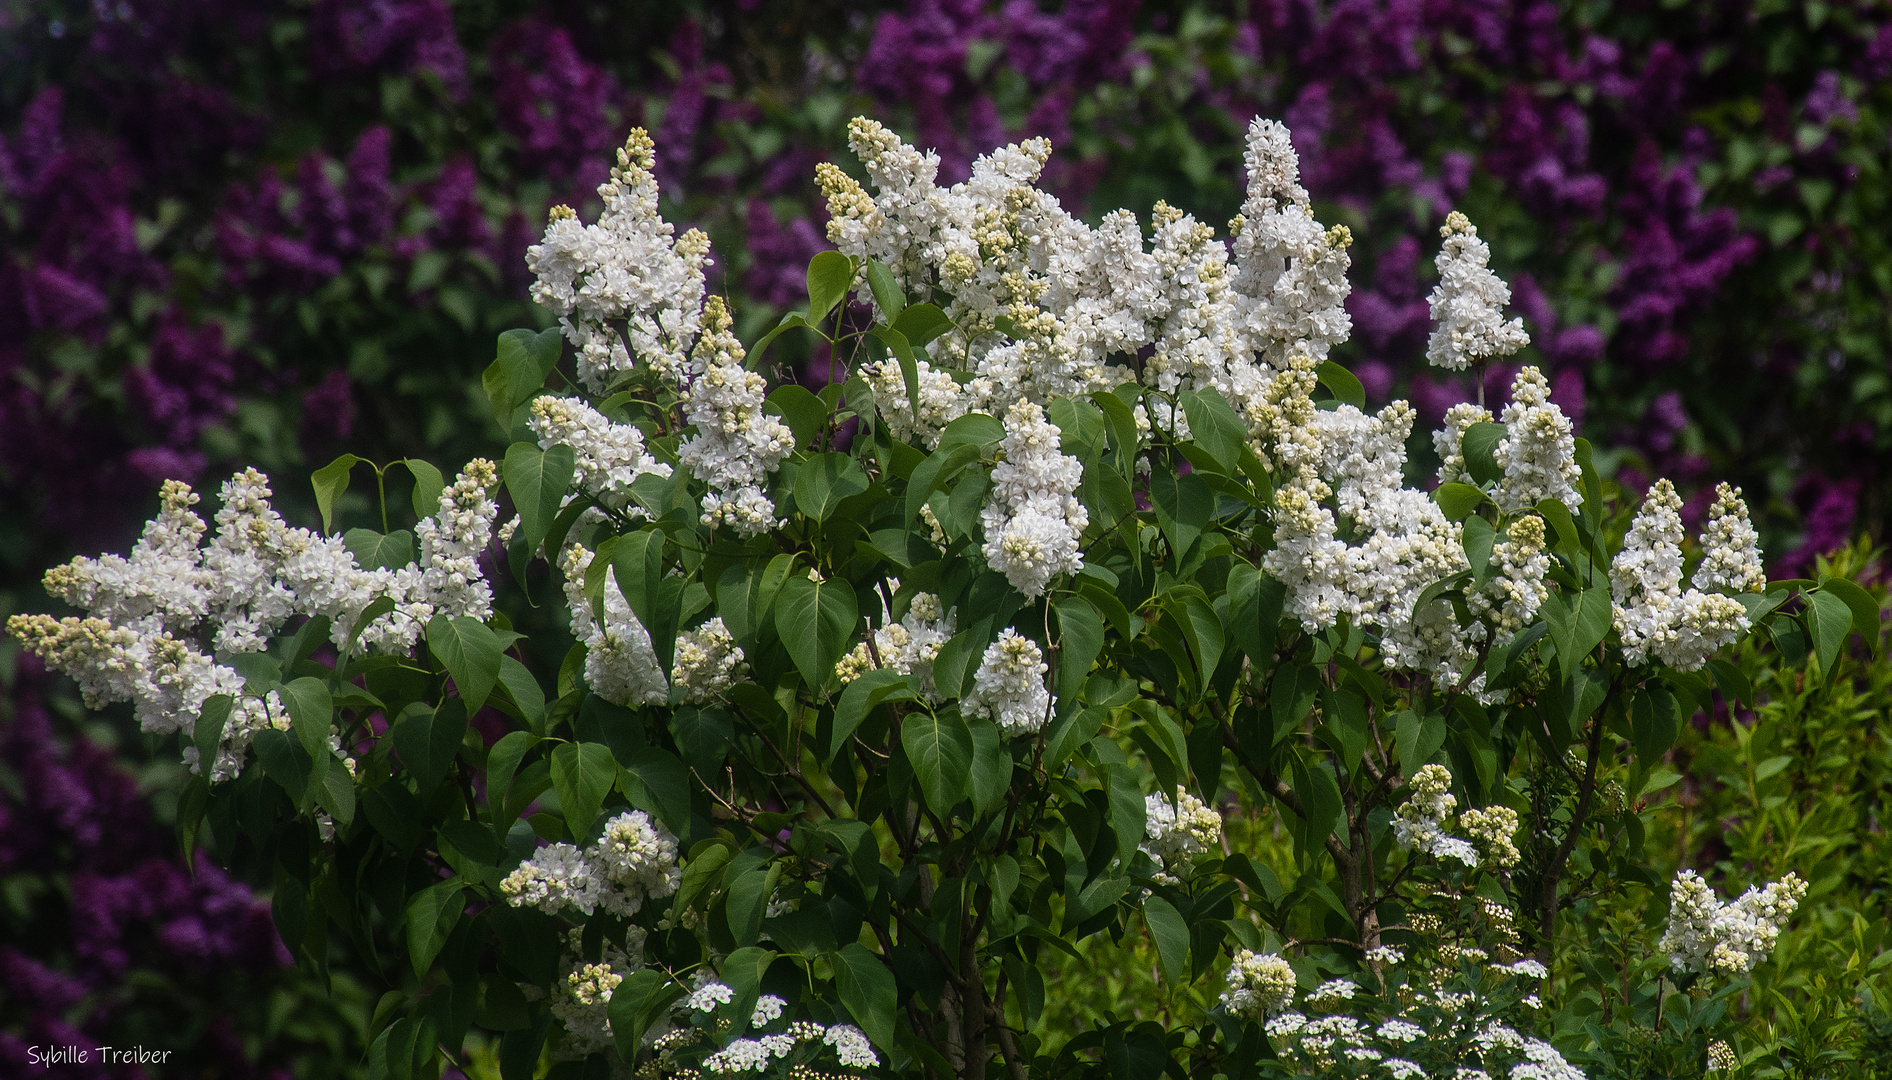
(73, 821)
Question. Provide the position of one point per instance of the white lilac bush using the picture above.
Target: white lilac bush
(859, 701)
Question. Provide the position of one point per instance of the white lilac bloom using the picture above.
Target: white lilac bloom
(1655, 617)
(851, 1046)
(1492, 829)
(556, 877)
(1517, 590)
(1420, 824)
(1449, 441)
(452, 540)
(1290, 272)
(625, 270)
(1172, 832)
(1009, 687)
(1371, 553)
(620, 665)
(1539, 451)
(708, 662)
(1731, 938)
(1468, 303)
(638, 860)
(941, 401)
(609, 456)
(1731, 549)
(1259, 985)
(1032, 519)
(908, 647)
(736, 445)
(581, 999)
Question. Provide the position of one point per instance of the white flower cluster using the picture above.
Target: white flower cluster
(851, 1045)
(625, 271)
(1032, 519)
(1404, 543)
(153, 618)
(635, 859)
(609, 456)
(1731, 549)
(1414, 1016)
(708, 662)
(1708, 935)
(1070, 296)
(620, 665)
(1655, 617)
(909, 646)
(581, 999)
(1259, 985)
(1421, 821)
(1493, 829)
(940, 400)
(736, 445)
(1009, 687)
(754, 1054)
(1178, 830)
(1468, 303)
(1539, 451)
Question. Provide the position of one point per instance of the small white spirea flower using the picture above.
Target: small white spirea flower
(1332, 992)
(1009, 687)
(1468, 303)
(708, 996)
(1259, 985)
(1721, 1057)
(1401, 1031)
(768, 1009)
(1385, 954)
(851, 1046)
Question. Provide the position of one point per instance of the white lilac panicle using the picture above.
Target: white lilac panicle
(149, 616)
(581, 999)
(736, 445)
(1539, 451)
(1290, 275)
(1492, 829)
(556, 877)
(1173, 832)
(1517, 590)
(1449, 441)
(1033, 518)
(638, 860)
(1421, 821)
(1009, 687)
(708, 662)
(620, 665)
(1656, 618)
(1468, 303)
(1371, 553)
(609, 456)
(940, 401)
(625, 270)
(1731, 938)
(1259, 985)
(908, 647)
(1731, 549)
